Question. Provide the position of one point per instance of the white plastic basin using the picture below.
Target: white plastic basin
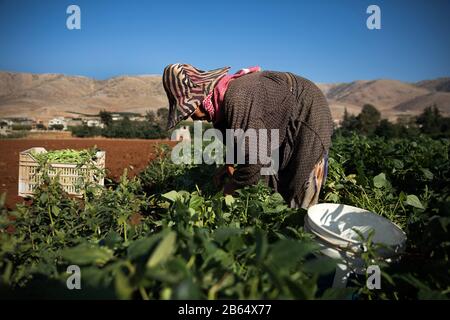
(337, 224)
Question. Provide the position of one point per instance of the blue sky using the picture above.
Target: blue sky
(324, 40)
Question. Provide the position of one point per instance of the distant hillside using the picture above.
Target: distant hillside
(440, 84)
(415, 105)
(382, 93)
(391, 97)
(44, 96)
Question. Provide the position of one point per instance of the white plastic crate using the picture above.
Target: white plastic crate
(69, 174)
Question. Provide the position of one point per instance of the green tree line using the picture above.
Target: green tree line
(154, 127)
(368, 122)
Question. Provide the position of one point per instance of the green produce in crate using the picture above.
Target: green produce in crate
(68, 156)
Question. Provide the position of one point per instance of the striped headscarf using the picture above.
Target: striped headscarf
(212, 105)
(186, 88)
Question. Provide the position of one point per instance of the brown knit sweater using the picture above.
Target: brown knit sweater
(295, 106)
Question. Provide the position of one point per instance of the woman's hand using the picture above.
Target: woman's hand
(230, 169)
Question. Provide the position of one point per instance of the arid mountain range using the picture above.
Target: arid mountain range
(44, 96)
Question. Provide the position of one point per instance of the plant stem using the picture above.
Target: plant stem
(143, 293)
(246, 207)
(51, 221)
(31, 237)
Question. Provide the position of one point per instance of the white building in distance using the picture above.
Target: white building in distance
(58, 121)
(94, 123)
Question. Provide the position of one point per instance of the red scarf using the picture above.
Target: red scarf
(212, 106)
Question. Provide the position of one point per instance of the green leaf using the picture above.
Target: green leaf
(141, 247)
(413, 201)
(171, 195)
(164, 250)
(235, 244)
(380, 181)
(44, 197)
(56, 210)
(388, 278)
(122, 219)
(429, 294)
(338, 294)
(229, 200)
(112, 239)
(195, 202)
(277, 198)
(222, 234)
(95, 277)
(124, 290)
(398, 164)
(321, 265)
(85, 254)
(286, 253)
(427, 173)
(166, 293)
(261, 245)
(187, 290)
